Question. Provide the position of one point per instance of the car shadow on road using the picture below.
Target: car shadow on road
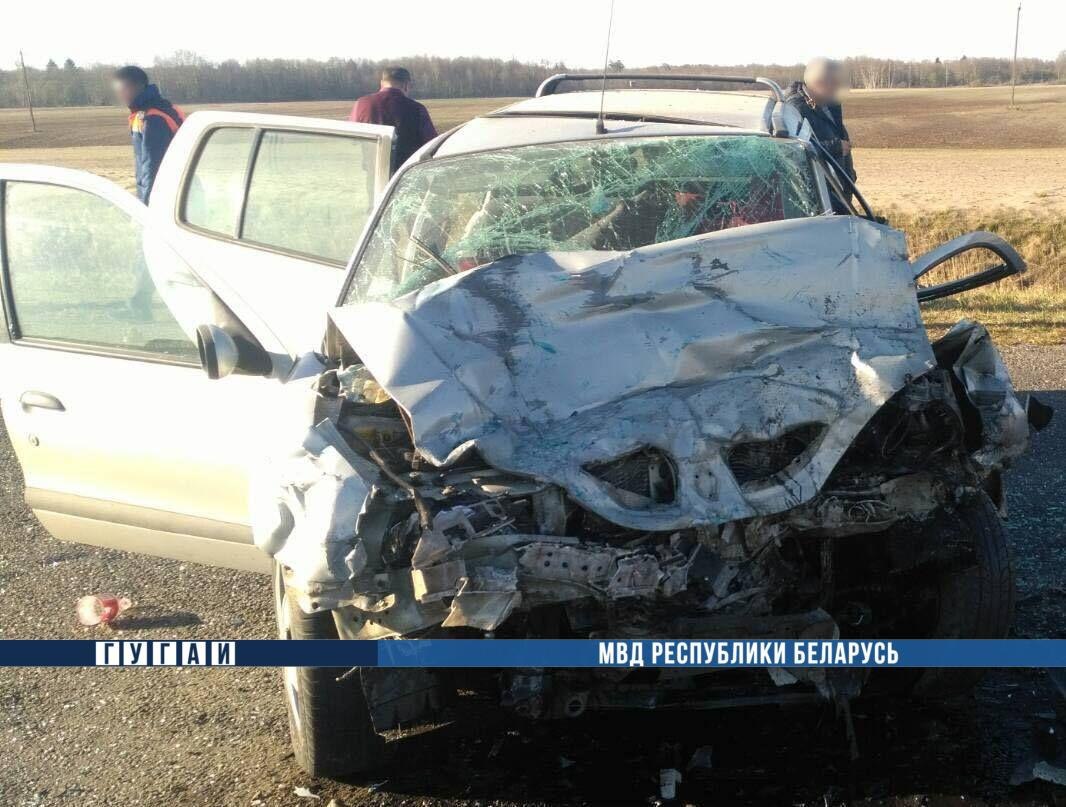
(142, 617)
(966, 748)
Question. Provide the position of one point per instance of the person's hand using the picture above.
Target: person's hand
(845, 147)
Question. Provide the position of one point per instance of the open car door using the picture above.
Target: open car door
(971, 274)
(123, 440)
(275, 204)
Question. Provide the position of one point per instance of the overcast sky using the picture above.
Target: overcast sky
(646, 32)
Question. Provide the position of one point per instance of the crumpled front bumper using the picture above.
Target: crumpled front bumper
(324, 512)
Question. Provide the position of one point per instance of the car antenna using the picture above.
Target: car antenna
(600, 128)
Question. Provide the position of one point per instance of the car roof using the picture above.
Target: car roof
(745, 110)
(635, 112)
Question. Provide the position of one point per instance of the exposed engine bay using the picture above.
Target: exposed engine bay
(741, 481)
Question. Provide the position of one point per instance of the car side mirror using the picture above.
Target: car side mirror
(223, 353)
(1012, 264)
(218, 351)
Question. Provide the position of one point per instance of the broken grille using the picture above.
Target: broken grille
(646, 473)
(757, 460)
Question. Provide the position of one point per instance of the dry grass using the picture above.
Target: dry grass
(1040, 239)
(1031, 316)
(1027, 309)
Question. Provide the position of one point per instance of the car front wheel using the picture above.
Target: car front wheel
(329, 723)
(976, 600)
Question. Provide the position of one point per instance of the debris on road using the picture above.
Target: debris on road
(701, 758)
(1044, 770)
(97, 609)
(669, 775)
(1058, 678)
(1047, 762)
(669, 779)
(305, 793)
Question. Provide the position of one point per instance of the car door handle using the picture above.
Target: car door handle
(32, 399)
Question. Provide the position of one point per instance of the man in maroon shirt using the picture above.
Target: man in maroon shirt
(391, 106)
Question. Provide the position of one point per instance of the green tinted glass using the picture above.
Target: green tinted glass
(82, 272)
(452, 214)
(215, 189)
(310, 193)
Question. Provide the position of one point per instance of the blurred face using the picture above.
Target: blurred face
(824, 89)
(126, 91)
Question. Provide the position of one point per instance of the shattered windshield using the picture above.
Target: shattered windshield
(453, 214)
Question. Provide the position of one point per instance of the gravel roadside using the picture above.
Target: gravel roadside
(219, 737)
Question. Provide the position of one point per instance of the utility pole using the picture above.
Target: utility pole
(29, 94)
(1014, 64)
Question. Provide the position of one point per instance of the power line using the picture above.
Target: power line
(29, 94)
(1014, 63)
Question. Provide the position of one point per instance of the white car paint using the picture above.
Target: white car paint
(285, 289)
(150, 455)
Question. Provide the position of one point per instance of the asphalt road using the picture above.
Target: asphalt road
(218, 737)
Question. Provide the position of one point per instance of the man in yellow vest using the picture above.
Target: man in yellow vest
(153, 123)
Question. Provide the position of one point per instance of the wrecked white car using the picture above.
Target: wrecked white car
(624, 377)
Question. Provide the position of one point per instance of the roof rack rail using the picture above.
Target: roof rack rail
(551, 84)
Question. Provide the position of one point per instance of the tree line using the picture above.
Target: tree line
(187, 78)
(869, 73)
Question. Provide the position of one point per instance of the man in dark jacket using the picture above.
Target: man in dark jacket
(392, 106)
(153, 123)
(816, 100)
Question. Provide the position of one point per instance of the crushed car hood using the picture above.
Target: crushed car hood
(708, 350)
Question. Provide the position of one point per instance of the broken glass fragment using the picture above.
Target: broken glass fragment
(453, 214)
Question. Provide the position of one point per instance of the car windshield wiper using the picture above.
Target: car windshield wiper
(430, 253)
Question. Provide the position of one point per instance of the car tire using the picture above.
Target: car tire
(975, 602)
(329, 722)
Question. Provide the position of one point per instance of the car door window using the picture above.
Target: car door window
(216, 188)
(308, 193)
(81, 272)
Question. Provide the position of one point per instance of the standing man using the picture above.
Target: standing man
(153, 123)
(392, 106)
(816, 99)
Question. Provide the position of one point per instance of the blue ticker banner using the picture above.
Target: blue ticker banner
(543, 653)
